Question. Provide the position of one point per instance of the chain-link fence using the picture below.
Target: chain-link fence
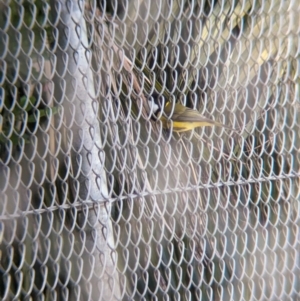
(101, 197)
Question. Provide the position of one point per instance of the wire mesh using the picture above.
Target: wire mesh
(100, 199)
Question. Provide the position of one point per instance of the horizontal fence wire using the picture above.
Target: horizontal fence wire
(91, 204)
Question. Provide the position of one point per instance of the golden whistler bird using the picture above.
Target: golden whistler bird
(183, 118)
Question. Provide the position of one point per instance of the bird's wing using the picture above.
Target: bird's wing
(189, 115)
(184, 114)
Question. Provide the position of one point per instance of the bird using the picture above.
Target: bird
(183, 118)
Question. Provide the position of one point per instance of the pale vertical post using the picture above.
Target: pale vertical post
(73, 66)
